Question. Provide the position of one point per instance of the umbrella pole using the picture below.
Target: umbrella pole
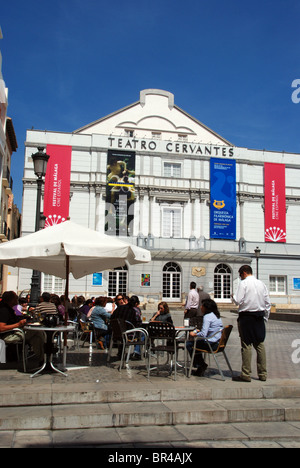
(66, 309)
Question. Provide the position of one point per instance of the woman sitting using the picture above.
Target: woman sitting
(163, 314)
(100, 318)
(212, 327)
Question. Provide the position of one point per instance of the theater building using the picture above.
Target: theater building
(157, 177)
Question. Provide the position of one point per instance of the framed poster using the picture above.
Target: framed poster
(97, 279)
(145, 279)
(296, 283)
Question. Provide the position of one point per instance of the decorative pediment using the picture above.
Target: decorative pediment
(154, 112)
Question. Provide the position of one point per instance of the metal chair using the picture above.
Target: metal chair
(86, 332)
(18, 340)
(220, 349)
(166, 333)
(129, 337)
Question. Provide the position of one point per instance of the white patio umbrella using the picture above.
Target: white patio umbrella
(70, 248)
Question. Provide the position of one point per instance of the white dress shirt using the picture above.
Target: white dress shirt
(252, 296)
(192, 300)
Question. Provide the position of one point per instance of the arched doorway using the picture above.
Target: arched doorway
(222, 283)
(172, 282)
(117, 281)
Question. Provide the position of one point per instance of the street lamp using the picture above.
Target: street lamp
(40, 160)
(257, 255)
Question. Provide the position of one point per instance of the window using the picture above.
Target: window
(278, 285)
(53, 284)
(117, 281)
(171, 282)
(171, 222)
(172, 169)
(129, 133)
(156, 135)
(222, 283)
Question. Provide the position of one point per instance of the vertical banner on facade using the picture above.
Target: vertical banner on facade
(222, 198)
(120, 193)
(275, 203)
(57, 184)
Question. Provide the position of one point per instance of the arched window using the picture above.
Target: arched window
(172, 282)
(117, 281)
(222, 283)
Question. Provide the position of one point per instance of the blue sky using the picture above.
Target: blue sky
(229, 63)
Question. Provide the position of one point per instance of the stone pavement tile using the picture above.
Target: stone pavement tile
(149, 434)
(291, 407)
(83, 416)
(252, 410)
(207, 432)
(38, 417)
(86, 437)
(189, 412)
(222, 444)
(290, 444)
(32, 439)
(266, 444)
(141, 413)
(194, 444)
(6, 439)
(268, 430)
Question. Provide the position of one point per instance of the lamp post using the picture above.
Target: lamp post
(40, 160)
(257, 255)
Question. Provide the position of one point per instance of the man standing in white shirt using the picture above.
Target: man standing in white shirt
(253, 300)
(192, 303)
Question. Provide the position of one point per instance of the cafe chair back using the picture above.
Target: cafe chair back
(226, 331)
(125, 333)
(162, 339)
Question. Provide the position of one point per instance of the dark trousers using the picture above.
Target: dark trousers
(198, 359)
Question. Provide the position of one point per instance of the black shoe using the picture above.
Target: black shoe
(199, 372)
(136, 357)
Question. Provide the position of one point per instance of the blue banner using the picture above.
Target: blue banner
(222, 198)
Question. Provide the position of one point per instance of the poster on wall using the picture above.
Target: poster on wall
(275, 203)
(120, 193)
(145, 280)
(222, 198)
(57, 184)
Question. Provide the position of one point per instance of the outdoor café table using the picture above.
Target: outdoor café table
(185, 337)
(50, 333)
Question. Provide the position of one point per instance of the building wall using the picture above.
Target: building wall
(190, 193)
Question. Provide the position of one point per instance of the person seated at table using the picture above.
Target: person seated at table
(55, 299)
(45, 306)
(212, 325)
(162, 314)
(100, 318)
(21, 308)
(84, 309)
(130, 313)
(9, 321)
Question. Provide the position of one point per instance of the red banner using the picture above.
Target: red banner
(57, 184)
(275, 203)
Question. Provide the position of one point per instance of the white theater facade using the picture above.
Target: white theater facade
(157, 177)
